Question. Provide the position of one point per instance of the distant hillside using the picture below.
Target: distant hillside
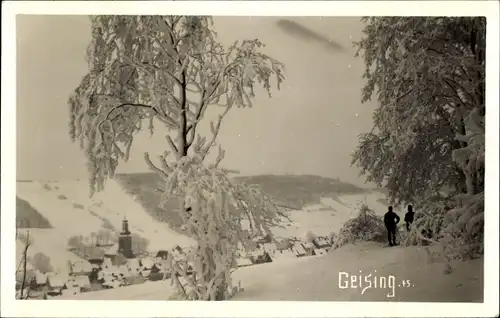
(28, 217)
(298, 191)
(294, 191)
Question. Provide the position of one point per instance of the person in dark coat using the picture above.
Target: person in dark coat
(391, 220)
(409, 216)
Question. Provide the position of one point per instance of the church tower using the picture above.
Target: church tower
(125, 241)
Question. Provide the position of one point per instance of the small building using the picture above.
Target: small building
(299, 250)
(133, 266)
(264, 239)
(283, 255)
(40, 278)
(95, 255)
(107, 263)
(57, 281)
(260, 258)
(321, 242)
(145, 273)
(82, 282)
(124, 271)
(243, 262)
(82, 267)
(162, 254)
(270, 247)
(111, 282)
(309, 248)
(148, 263)
(178, 254)
(320, 251)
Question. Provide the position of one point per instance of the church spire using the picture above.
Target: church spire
(125, 229)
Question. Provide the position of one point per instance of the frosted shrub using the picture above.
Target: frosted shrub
(212, 212)
(367, 226)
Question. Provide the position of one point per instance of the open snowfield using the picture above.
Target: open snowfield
(70, 211)
(316, 278)
(328, 216)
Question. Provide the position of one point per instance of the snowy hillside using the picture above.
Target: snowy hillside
(70, 212)
(317, 279)
(329, 215)
(66, 207)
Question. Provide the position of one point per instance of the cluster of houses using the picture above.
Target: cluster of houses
(122, 266)
(266, 251)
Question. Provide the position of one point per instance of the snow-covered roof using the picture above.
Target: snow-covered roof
(107, 263)
(308, 245)
(148, 262)
(269, 247)
(57, 280)
(321, 242)
(319, 251)
(243, 262)
(41, 278)
(133, 264)
(112, 250)
(80, 281)
(79, 267)
(298, 249)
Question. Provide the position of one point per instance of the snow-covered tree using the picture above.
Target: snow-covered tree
(216, 209)
(428, 76)
(168, 70)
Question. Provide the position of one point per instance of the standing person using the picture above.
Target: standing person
(391, 220)
(409, 216)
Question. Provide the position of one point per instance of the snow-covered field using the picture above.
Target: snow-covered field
(317, 279)
(70, 211)
(329, 216)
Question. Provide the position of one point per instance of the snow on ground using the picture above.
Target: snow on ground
(48, 242)
(70, 211)
(317, 279)
(328, 216)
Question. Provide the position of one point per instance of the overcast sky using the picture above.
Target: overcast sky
(310, 126)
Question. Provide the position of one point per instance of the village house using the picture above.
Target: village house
(243, 262)
(283, 255)
(309, 248)
(299, 250)
(162, 254)
(320, 251)
(321, 242)
(259, 256)
(81, 267)
(81, 282)
(40, 279)
(56, 282)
